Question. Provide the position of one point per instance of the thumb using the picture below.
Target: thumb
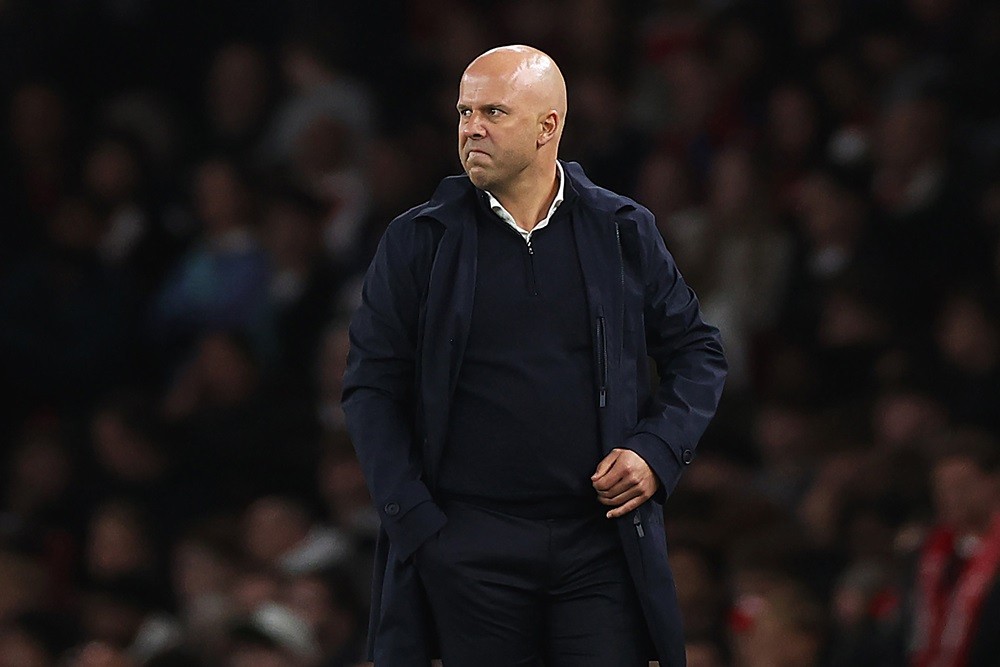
(605, 465)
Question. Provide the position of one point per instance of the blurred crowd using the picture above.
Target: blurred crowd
(190, 192)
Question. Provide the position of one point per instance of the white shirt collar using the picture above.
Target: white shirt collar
(505, 215)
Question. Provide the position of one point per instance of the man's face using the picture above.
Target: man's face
(963, 494)
(498, 127)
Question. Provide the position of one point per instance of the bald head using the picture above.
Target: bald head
(528, 71)
(511, 105)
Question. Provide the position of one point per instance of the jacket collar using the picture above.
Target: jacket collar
(453, 195)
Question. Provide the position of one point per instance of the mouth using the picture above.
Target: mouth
(475, 152)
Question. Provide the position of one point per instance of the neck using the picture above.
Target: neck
(529, 199)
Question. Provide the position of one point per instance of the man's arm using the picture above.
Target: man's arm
(380, 399)
(689, 361)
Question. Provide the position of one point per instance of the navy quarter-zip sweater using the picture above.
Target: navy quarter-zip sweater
(523, 433)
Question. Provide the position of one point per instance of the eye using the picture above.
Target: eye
(465, 113)
(494, 112)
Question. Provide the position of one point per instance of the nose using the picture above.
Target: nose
(472, 127)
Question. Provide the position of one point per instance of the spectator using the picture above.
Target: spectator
(957, 585)
(222, 281)
(783, 627)
(238, 97)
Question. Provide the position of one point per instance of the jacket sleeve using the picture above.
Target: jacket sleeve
(689, 361)
(379, 388)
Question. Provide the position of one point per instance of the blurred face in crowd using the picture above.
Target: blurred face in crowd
(111, 171)
(830, 215)
(220, 196)
(792, 122)
(664, 187)
(782, 629)
(253, 588)
(291, 235)
(902, 417)
(732, 186)
(18, 649)
(199, 571)
(37, 120)
(117, 543)
(511, 105)
(228, 372)
(122, 451)
(23, 583)
(237, 89)
(967, 337)
(272, 527)
(910, 133)
(965, 496)
(342, 485)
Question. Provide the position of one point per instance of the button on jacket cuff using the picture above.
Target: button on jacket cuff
(409, 531)
(662, 459)
(409, 516)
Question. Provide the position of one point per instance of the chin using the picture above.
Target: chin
(479, 178)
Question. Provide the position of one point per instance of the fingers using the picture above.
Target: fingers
(605, 465)
(627, 507)
(625, 482)
(623, 497)
(626, 471)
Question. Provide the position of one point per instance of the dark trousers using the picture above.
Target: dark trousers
(510, 592)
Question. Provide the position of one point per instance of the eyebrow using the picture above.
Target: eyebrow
(487, 105)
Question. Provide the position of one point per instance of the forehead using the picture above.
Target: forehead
(484, 87)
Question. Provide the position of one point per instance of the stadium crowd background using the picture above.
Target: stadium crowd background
(189, 191)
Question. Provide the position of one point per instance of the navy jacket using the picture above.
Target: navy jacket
(407, 341)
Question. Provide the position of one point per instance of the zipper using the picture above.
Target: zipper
(531, 267)
(602, 360)
(529, 260)
(637, 522)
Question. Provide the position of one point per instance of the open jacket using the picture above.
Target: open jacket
(407, 342)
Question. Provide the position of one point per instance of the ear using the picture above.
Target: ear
(550, 124)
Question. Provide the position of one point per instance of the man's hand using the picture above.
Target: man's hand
(624, 481)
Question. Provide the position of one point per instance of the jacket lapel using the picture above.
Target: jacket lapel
(450, 297)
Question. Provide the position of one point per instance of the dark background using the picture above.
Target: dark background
(189, 192)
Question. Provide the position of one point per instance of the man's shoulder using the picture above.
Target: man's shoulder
(604, 200)
(452, 193)
(601, 198)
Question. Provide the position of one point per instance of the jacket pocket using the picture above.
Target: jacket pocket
(602, 361)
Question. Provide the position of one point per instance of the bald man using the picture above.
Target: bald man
(499, 398)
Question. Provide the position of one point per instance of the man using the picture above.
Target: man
(497, 392)
(955, 603)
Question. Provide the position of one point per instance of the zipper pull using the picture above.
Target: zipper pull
(604, 397)
(637, 522)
